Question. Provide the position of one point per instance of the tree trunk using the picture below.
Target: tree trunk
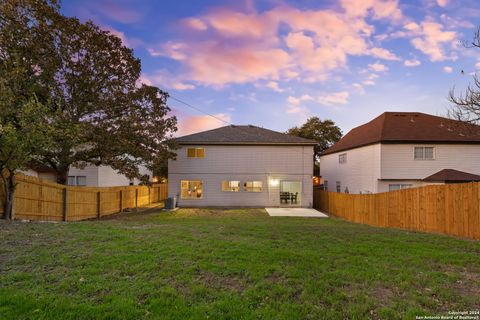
(62, 175)
(9, 188)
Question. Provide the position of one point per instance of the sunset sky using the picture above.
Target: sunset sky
(275, 63)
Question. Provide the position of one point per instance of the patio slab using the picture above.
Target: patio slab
(295, 212)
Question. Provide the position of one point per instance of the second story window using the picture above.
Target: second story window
(424, 153)
(196, 152)
(342, 158)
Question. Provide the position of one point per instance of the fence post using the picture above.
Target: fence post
(99, 203)
(65, 204)
(136, 199)
(149, 192)
(121, 200)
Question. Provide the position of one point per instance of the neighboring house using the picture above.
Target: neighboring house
(90, 176)
(243, 166)
(401, 150)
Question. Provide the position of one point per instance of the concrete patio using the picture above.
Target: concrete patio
(295, 212)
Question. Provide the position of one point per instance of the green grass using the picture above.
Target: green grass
(231, 264)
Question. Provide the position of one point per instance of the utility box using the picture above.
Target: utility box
(171, 203)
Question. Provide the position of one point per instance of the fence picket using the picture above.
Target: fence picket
(38, 199)
(452, 209)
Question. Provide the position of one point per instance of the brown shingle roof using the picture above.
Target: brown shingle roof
(407, 127)
(451, 175)
(235, 135)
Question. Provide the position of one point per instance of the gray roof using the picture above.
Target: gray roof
(235, 135)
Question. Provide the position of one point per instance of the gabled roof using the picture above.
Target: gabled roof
(407, 127)
(242, 135)
(451, 175)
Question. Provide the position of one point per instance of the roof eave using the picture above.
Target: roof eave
(248, 143)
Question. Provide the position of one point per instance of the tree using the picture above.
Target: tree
(466, 106)
(99, 111)
(326, 133)
(24, 127)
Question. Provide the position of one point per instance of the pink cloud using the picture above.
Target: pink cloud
(193, 124)
(127, 41)
(384, 54)
(377, 67)
(116, 12)
(214, 64)
(194, 23)
(165, 79)
(239, 47)
(237, 24)
(340, 97)
(432, 39)
(412, 63)
(380, 9)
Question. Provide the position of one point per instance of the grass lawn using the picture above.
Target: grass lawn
(231, 264)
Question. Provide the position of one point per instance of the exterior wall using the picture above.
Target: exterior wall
(29, 172)
(398, 161)
(108, 177)
(91, 172)
(102, 176)
(269, 164)
(373, 168)
(359, 174)
(383, 185)
(50, 176)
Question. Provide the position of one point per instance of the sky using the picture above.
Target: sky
(275, 63)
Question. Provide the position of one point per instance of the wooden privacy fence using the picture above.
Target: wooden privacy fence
(452, 209)
(37, 199)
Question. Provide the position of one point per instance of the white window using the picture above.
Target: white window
(191, 189)
(399, 186)
(339, 186)
(253, 186)
(71, 181)
(196, 152)
(81, 180)
(342, 158)
(424, 153)
(77, 181)
(231, 186)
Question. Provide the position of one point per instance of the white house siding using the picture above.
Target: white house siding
(398, 162)
(90, 172)
(243, 163)
(359, 174)
(372, 168)
(384, 185)
(108, 177)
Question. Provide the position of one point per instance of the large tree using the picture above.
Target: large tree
(325, 132)
(466, 106)
(24, 123)
(101, 113)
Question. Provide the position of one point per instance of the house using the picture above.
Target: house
(244, 166)
(400, 150)
(90, 176)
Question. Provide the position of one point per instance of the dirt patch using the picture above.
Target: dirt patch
(383, 295)
(469, 285)
(275, 278)
(220, 212)
(212, 280)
